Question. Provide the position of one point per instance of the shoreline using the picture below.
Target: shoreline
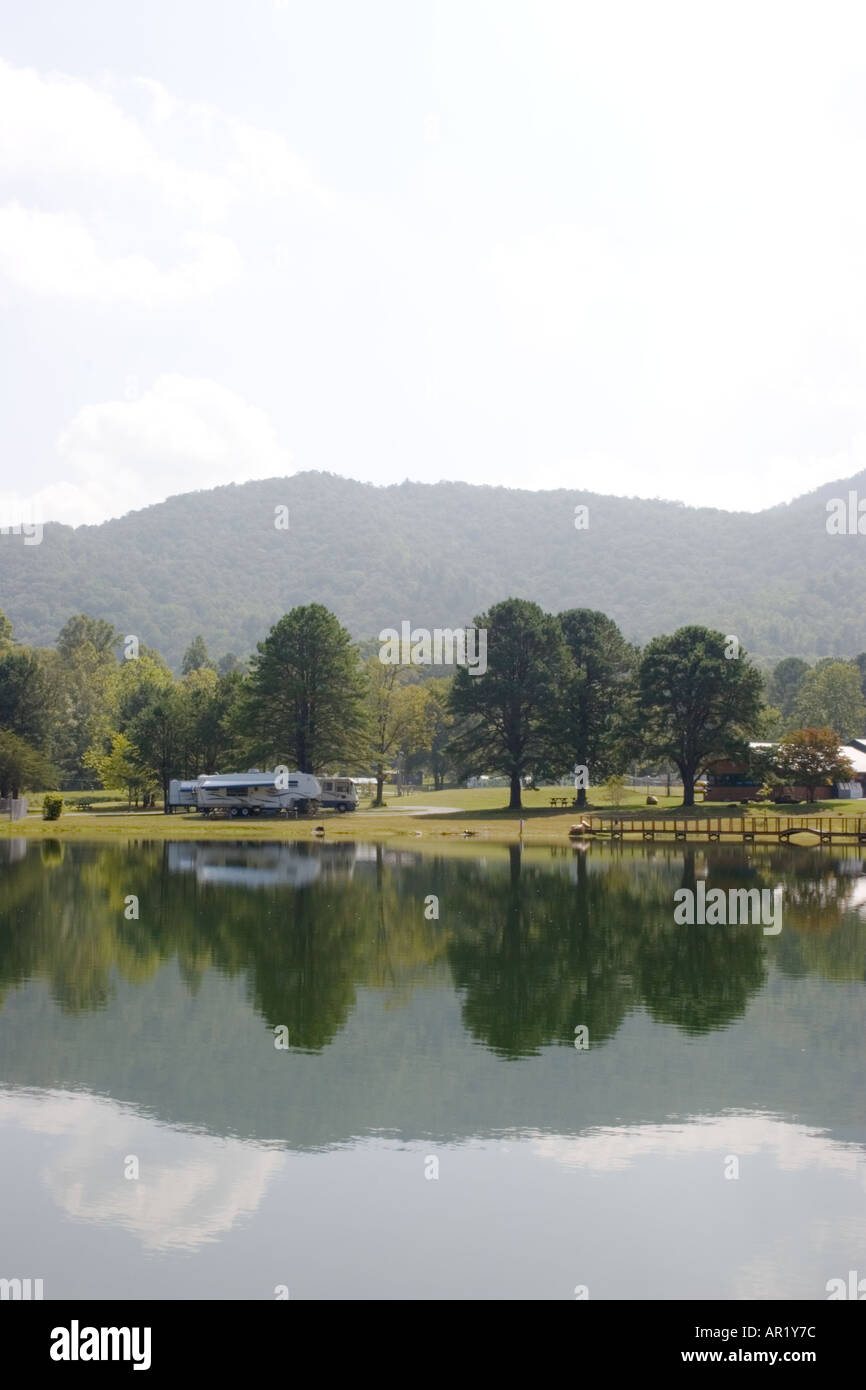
(540, 827)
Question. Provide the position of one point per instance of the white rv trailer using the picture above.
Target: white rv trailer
(339, 792)
(245, 866)
(182, 794)
(256, 793)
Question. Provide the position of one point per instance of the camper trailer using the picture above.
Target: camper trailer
(339, 793)
(181, 794)
(253, 865)
(255, 793)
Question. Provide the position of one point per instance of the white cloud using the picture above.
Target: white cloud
(52, 254)
(625, 243)
(794, 1147)
(264, 164)
(181, 435)
(557, 284)
(95, 185)
(191, 1192)
(54, 127)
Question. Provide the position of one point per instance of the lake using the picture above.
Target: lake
(322, 1071)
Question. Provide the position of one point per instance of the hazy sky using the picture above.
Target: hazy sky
(607, 246)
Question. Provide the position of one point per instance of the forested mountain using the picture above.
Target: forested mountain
(219, 563)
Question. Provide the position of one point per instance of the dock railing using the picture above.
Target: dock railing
(826, 828)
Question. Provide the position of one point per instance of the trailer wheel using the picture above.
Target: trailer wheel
(234, 811)
(245, 810)
(341, 806)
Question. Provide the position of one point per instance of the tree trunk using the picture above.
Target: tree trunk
(380, 781)
(581, 796)
(688, 777)
(515, 803)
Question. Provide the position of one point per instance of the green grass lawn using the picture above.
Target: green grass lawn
(486, 801)
(465, 813)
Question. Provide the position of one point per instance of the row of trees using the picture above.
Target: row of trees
(832, 693)
(85, 714)
(558, 690)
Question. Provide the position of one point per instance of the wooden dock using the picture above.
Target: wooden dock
(825, 829)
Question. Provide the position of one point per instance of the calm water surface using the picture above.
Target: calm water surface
(430, 1130)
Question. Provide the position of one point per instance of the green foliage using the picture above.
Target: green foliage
(510, 711)
(84, 671)
(230, 664)
(401, 717)
(156, 735)
(51, 806)
(770, 724)
(81, 632)
(831, 696)
(556, 691)
(614, 789)
(696, 705)
(595, 708)
(304, 698)
(23, 767)
(441, 726)
(119, 767)
(167, 573)
(26, 697)
(196, 656)
(785, 683)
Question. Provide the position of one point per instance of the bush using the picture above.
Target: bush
(614, 789)
(51, 807)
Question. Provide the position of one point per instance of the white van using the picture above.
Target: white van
(256, 793)
(339, 793)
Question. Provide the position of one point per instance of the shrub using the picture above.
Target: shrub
(614, 789)
(51, 807)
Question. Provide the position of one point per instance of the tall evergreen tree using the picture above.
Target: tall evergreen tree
(595, 708)
(510, 710)
(696, 703)
(196, 656)
(785, 683)
(305, 693)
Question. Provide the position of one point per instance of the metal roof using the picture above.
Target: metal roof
(242, 779)
(856, 757)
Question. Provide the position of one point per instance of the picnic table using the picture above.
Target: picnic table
(561, 801)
